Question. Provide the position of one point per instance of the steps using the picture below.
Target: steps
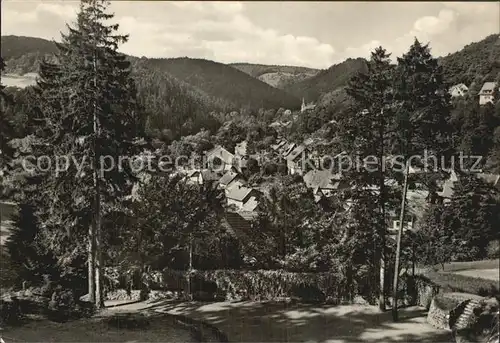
(467, 315)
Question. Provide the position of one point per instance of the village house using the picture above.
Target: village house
(231, 179)
(219, 159)
(241, 149)
(296, 160)
(486, 93)
(287, 149)
(458, 90)
(243, 198)
(324, 183)
(279, 145)
(416, 205)
(200, 177)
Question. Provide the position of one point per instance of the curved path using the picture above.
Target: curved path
(282, 322)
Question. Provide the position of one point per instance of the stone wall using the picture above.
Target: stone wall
(438, 317)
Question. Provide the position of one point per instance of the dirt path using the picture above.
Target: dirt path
(279, 322)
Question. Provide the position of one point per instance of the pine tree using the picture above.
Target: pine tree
(369, 132)
(88, 100)
(30, 263)
(422, 120)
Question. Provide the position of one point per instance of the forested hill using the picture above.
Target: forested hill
(478, 62)
(14, 47)
(229, 88)
(276, 75)
(335, 77)
(233, 87)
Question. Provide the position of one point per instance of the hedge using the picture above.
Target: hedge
(257, 285)
(449, 282)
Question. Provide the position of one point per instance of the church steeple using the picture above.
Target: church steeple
(303, 107)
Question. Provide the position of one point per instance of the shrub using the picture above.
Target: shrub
(449, 282)
(260, 284)
(10, 311)
(493, 249)
(61, 305)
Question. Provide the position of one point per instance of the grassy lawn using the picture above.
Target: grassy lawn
(473, 265)
(489, 274)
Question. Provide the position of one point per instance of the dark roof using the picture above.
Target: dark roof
(288, 149)
(228, 177)
(209, 175)
(295, 153)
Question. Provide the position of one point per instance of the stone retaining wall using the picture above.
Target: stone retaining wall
(437, 317)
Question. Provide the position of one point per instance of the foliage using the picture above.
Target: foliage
(15, 47)
(449, 282)
(213, 79)
(61, 304)
(89, 74)
(266, 284)
(477, 60)
(24, 254)
(10, 312)
(282, 223)
(327, 80)
(170, 215)
(462, 229)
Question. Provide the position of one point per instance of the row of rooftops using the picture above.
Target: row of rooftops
(461, 89)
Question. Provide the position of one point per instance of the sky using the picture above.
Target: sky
(311, 34)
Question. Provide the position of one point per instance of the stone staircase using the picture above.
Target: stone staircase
(466, 318)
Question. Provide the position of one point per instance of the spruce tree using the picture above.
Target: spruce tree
(422, 105)
(369, 132)
(88, 101)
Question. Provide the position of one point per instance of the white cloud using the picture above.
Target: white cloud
(64, 11)
(435, 24)
(232, 37)
(235, 31)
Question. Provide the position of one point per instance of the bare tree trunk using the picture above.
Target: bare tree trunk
(91, 262)
(381, 301)
(398, 248)
(99, 301)
(190, 295)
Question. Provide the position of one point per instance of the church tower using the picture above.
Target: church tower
(303, 107)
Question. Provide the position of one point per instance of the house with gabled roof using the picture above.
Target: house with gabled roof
(279, 145)
(241, 149)
(295, 160)
(324, 183)
(243, 198)
(287, 149)
(486, 93)
(219, 158)
(231, 179)
(458, 90)
(197, 176)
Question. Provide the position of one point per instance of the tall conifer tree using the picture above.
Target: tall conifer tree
(88, 101)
